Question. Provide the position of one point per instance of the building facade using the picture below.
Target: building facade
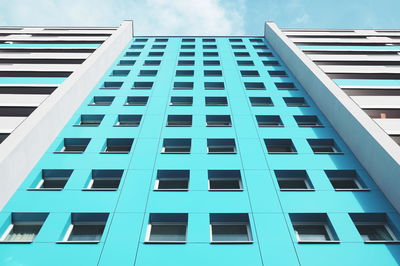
(200, 151)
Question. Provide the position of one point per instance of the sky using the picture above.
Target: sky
(202, 17)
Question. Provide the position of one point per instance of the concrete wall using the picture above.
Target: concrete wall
(376, 151)
(22, 149)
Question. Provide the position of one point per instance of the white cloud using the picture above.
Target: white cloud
(151, 17)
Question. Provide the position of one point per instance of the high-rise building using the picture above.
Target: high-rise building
(191, 150)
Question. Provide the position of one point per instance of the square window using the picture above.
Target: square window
(168, 228)
(218, 120)
(245, 63)
(102, 100)
(224, 180)
(284, 146)
(375, 227)
(181, 101)
(285, 86)
(295, 102)
(183, 86)
(184, 73)
(152, 62)
(212, 73)
(210, 54)
(216, 101)
(254, 86)
(85, 228)
(271, 63)
(185, 62)
(105, 180)
(137, 100)
(249, 73)
(230, 228)
(112, 85)
(345, 180)
(221, 146)
(176, 180)
(277, 73)
(323, 146)
(24, 227)
(53, 179)
(128, 120)
(75, 145)
(127, 62)
(211, 63)
(90, 120)
(177, 146)
(313, 228)
(148, 73)
(214, 86)
(179, 121)
(269, 121)
(118, 145)
(293, 180)
(142, 85)
(261, 101)
(307, 121)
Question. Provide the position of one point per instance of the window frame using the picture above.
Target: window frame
(327, 228)
(149, 228)
(248, 229)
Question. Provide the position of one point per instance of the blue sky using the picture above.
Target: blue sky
(203, 17)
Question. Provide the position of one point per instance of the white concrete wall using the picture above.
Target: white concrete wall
(24, 147)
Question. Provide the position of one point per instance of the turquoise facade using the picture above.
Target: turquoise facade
(129, 207)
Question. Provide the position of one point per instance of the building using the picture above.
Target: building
(191, 150)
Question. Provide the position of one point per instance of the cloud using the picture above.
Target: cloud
(151, 17)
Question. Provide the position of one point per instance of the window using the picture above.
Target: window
(221, 146)
(136, 46)
(140, 40)
(277, 73)
(285, 86)
(216, 101)
(151, 54)
(345, 180)
(168, 228)
(261, 101)
(307, 121)
(148, 73)
(53, 179)
(230, 228)
(141, 85)
(241, 54)
(72, 145)
(280, 146)
(85, 228)
(184, 73)
(212, 73)
(209, 46)
(3, 136)
(102, 100)
(112, 85)
(323, 146)
(90, 120)
(374, 227)
(24, 227)
(262, 46)
(127, 62)
(235, 40)
(137, 100)
(183, 85)
(256, 40)
(188, 40)
(176, 180)
(159, 46)
(238, 46)
(313, 228)
(119, 145)
(210, 54)
(188, 46)
(186, 54)
(254, 86)
(271, 63)
(295, 102)
(132, 54)
(161, 40)
(224, 180)
(128, 120)
(249, 73)
(176, 146)
(214, 85)
(245, 63)
(105, 180)
(218, 120)
(263, 54)
(269, 121)
(152, 62)
(293, 180)
(208, 40)
(121, 73)
(179, 121)
(186, 63)
(181, 101)
(211, 63)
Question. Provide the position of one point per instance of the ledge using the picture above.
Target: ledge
(77, 242)
(231, 242)
(319, 242)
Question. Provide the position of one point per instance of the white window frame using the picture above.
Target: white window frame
(71, 227)
(11, 226)
(157, 183)
(41, 181)
(327, 229)
(359, 186)
(232, 242)
(149, 227)
(91, 182)
(164, 148)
